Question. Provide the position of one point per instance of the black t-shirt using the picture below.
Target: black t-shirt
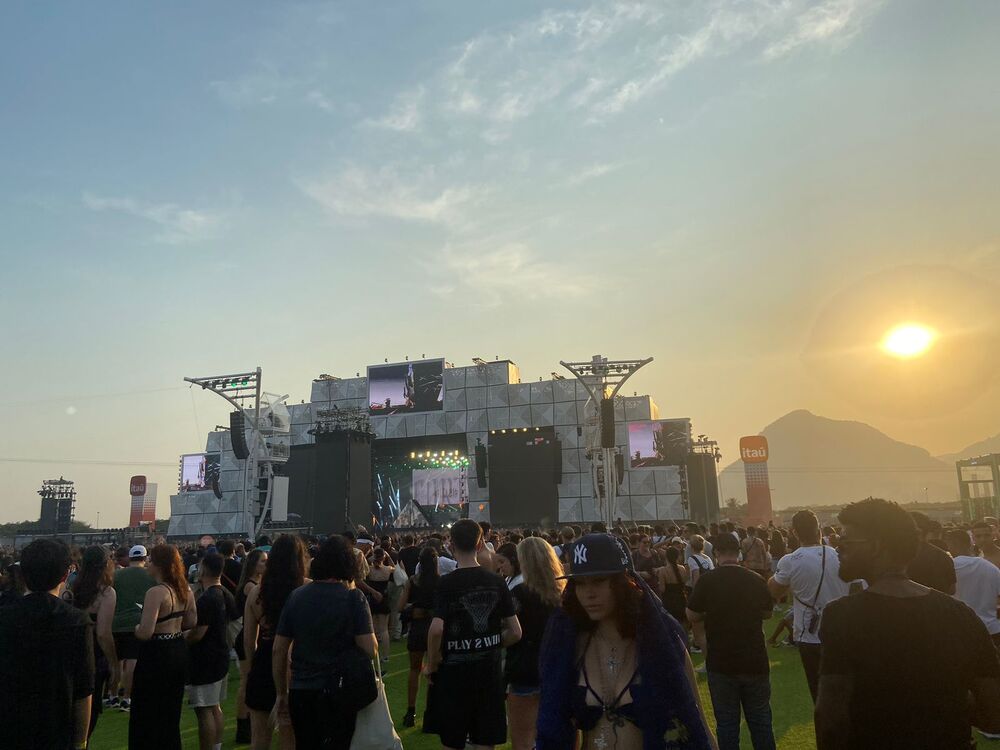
(408, 558)
(933, 567)
(473, 603)
(733, 600)
(521, 666)
(322, 618)
(209, 657)
(47, 663)
(913, 661)
(231, 572)
(647, 564)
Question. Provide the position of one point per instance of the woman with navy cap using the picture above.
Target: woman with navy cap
(614, 665)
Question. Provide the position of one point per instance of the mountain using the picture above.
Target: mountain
(989, 445)
(819, 461)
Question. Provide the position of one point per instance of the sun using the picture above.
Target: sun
(908, 340)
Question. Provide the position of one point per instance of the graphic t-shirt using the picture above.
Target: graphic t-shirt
(473, 604)
(733, 600)
(913, 661)
(209, 657)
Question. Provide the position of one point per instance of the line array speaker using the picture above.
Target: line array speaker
(557, 460)
(607, 423)
(481, 465)
(237, 434)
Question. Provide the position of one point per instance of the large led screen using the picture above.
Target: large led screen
(663, 442)
(199, 471)
(435, 488)
(407, 387)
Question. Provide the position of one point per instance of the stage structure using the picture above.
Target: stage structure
(58, 505)
(443, 442)
(258, 442)
(602, 380)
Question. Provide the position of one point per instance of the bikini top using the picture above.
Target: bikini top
(587, 715)
(172, 615)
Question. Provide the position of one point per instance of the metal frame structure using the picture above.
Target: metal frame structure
(237, 390)
(603, 378)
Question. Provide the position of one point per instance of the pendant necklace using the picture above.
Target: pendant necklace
(613, 664)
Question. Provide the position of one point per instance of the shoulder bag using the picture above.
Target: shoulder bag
(373, 729)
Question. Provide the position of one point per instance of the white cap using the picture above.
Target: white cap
(137, 552)
(677, 540)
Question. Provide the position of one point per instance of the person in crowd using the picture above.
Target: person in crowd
(46, 658)
(777, 547)
(978, 581)
(755, 554)
(409, 555)
(319, 624)
(647, 560)
(726, 608)
(209, 652)
(982, 535)
(418, 601)
(473, 622)
(931, 566)
(161, 668)
(566, 536)
(671, 583)
(486, 556)
(285, 572)
(699, 562)
(94, 594)
(785, 625)
(507, 565)
(131, 585)
(446, 564)
(535, 598)
(613, 664)
(232, 569)
(810, 574)
(900, 660)
(250, 574)
(379, 576)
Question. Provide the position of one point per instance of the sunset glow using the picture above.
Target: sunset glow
(908, 341)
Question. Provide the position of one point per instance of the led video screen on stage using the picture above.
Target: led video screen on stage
(199, 470)
(663, 442)
(406, 387)
(420, 480)
(435, 488)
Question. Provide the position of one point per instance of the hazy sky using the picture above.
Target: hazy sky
(747, 190)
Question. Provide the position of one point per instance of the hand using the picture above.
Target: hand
(429, 672)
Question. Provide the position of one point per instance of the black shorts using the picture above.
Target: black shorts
(126, 645)
(466, 703)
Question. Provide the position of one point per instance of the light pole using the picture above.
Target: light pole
(603, 378)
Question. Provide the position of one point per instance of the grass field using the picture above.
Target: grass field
(790, 704)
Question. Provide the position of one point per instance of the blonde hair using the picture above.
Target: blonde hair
(540, 567)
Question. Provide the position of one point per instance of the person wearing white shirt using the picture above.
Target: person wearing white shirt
(811, 574)
(698, 561)
(977, 581)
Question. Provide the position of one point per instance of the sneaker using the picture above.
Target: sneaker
(410, 719)
(111, 702)
(125, 705)
(990, 735)
(695, 650)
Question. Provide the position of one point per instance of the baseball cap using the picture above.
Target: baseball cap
(137, 552)
(598, 555)
(678, 540)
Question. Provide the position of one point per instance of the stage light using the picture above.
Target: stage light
(503, 432)
(413, 455)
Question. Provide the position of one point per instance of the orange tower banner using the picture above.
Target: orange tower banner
(754, 453)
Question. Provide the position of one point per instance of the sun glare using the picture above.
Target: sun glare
(908, 341)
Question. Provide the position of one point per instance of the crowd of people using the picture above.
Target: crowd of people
(578, 637)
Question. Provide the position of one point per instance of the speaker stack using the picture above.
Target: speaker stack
(237, 434)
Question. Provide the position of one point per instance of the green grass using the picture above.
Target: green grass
(790, 705)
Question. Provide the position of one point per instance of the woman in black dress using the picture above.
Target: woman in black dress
(253, 569)
(672, 578)
(285, 572)
(94, 593)
(160, 672)
(418, 595)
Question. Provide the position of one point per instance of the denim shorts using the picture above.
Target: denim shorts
(523, 691)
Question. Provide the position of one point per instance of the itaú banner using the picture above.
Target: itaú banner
(143, 507)
(754, 453)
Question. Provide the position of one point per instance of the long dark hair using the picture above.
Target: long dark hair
(93, 577)
(286, 571)
(672, 555)
(509, 551)
(778, 546)
(249, 567)
(627, 595)
(429, 574)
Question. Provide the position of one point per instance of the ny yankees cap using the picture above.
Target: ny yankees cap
(598, 555)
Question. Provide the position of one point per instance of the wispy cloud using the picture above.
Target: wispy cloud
(591, 172)
(510, 271)
(830, 21)
(356, 191)
(266, 85)
(404, 115)
(177, 225)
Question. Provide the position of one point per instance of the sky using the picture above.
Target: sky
(749, 191)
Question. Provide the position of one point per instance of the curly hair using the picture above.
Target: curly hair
(167, 560)
(336, 558)
(93, 577)
(285, 572)
(627, 596)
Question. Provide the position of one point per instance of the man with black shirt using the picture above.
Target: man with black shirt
(209, 653)
(730, 603)
(899, 659)
(931, 566)
(409, 555)
(46, 658)
(473, 622)
(231, 569)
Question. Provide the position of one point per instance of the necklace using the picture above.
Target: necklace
(609, 687)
